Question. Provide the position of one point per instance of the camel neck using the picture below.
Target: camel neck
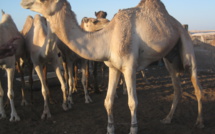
(92, 46)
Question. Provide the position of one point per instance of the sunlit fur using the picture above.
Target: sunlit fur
(133, 39)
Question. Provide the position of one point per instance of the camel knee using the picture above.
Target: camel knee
(44, 93)
(198, 94)
(132, 104)
(108, 105)
(10, 95)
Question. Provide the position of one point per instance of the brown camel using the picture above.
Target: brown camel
(101, 14)
(134, 38)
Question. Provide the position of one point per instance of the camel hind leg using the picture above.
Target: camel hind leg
(198, 93)
(172, 68)
(46, 111)
(84, 80)
(177, 90)
(20, 70)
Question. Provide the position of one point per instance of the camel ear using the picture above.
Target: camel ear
(2, 12)
(85, 20)
(95, 13)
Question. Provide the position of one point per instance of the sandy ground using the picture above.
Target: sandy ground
(154, 104)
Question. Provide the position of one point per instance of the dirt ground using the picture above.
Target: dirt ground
(154, 104)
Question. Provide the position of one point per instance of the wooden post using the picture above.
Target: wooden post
(186, 26)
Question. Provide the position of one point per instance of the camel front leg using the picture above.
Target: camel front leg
(46, 111)
(177, 90)
(20, 70)
(130, 79)
(10, 94)
(2, 111)
(84, 81)
(70, 83)
(63, 85)
(109, 100)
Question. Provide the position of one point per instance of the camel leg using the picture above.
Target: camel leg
(10, 94)
(30, 79)
(2, 111)
(84, 81)
(130, 79)
(46, 111)
(175, 76)
(66, 77)
(63, 85)
(75, 77)
(109, 100)
(198, 93)
(51, 100)
(70, 83)
(20, 70)
(144, 77)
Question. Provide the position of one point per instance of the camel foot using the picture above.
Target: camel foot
(199, 124)
(88, 99)
(65, 107)
(110, 128)
(14, 117)
(2, 115)
(166, 121)
(24, 103)
(133, 129)
(45, 115)
(69, 106)
(70, 100)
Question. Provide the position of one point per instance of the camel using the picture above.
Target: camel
(134, 38)
(92, 25)
(10, 33)
(42, 48)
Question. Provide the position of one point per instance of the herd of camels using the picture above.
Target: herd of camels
(132, 40)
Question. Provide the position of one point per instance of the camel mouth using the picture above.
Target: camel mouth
(27, 3)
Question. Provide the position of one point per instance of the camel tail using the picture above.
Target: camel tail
(182, 55)
(187, 51)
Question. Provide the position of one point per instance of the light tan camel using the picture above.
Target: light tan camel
(42, 49)
(8, 31)
(93, 25)
(133, 39)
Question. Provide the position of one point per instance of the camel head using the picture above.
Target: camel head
(101, 14)
(45, 7)
(88, 24)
